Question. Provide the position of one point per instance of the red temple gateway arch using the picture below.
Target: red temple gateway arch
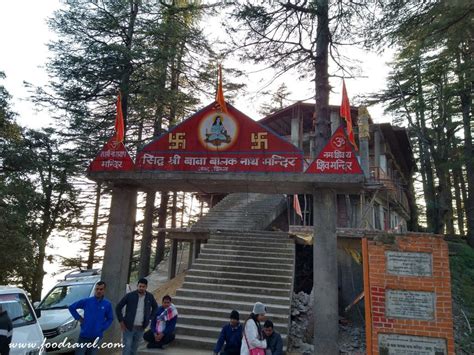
(224, 151)
(211, 141)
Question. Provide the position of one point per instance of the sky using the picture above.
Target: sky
(24, 55)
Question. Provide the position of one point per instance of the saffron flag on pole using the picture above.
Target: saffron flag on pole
(119, 125)
(296, 206)
(345, 113)
(221, 105)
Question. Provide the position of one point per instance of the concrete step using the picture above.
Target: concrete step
(236, 289)
(251, 239)
(243, 258)
(256, 264)
(201, 265)
(202, 331)
(249, 242)
(239, 282)
(194, 342)
(206, 321)
(234, 212)
(214, 250)
(227, 304)
(233, 296)
(268, 249)
(219, 313)
(239, 275)
(255, 233)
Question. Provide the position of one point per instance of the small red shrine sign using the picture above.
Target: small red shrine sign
(112, 157)
(214, 141)
(337, 157)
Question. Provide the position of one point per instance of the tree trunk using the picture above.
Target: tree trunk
(145, 248)
(39, 270)
(323, 123)
(162, 217)
(425, 156)
(412, 224)
(456, 172)
(128, 61)
(465, 95)
(95, 224)
(174, 208)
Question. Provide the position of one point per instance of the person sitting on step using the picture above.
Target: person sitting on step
(274, 341)
(231, 335)
(162, 326)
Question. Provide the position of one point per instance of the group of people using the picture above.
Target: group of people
(138, 309)
(135, 311)
(251, 338)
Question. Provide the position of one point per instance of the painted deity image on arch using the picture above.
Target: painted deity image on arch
(218, 131)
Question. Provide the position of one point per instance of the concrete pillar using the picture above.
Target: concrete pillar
(191, 253)
(173, 258)
(295, 131)
(197, 249)
(325, 307)
(335, 122)
(364, 140)
(118, 247)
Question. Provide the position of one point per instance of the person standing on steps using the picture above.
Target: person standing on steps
(253, 337)
(140, 306)
(231, 335)
(163, 325)
(274, 341)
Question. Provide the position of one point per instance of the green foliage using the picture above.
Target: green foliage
(425, 92)
(462, 279)
(278, 101)
(37, 196)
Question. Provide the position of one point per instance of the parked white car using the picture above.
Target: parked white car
(58, 325)
(27, 335)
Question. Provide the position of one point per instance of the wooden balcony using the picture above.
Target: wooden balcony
(393, 185)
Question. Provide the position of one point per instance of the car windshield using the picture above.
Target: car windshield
(63, 296)
(18, 309)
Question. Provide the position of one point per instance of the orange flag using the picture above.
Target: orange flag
(119, 125)
(296, 206)
(346, 114)
(221, 105)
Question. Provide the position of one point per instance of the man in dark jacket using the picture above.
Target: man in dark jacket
(231, 335)
(274, 341)
(140, 307)
(98, 316)
(6, 329)
(162, 326)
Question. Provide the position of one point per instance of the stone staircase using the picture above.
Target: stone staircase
(243, 211)
(239, 265)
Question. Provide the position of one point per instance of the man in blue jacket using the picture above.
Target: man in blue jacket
(162, 326)
(231, 335)
(140, 307)
(98, 316)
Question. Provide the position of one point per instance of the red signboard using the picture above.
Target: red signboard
(112, 157)
(337, 157)
(213, 141)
